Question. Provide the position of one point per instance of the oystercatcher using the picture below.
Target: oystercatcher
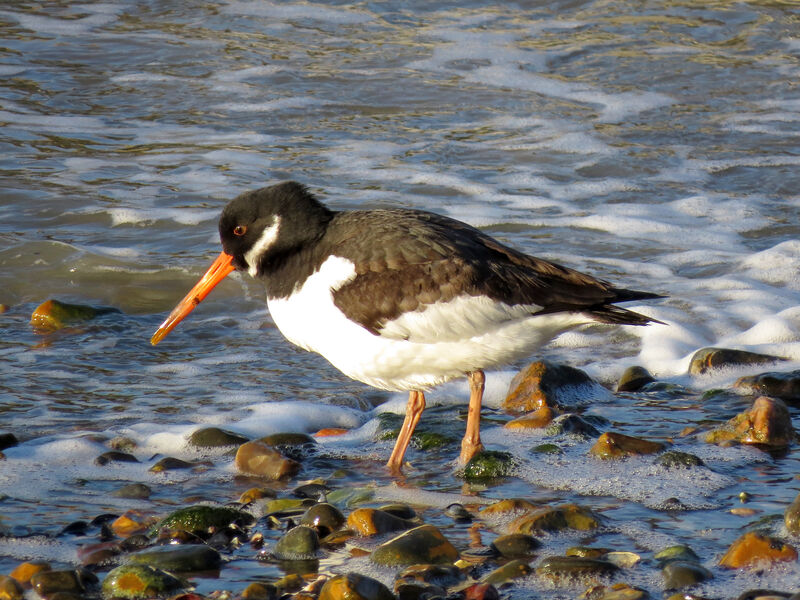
(401, 299)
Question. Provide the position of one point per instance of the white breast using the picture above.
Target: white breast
(444, 341)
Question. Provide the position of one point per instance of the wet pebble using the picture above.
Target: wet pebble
(24, 571)
(785, 386)
(679, 574)
(633, 379)
(766, 423)
(201, 519)
(513, 569)
(509, 505)
(7, 440)
(133, 521)
(612, 445)
(489, 464)
(556, 518)
(10, 588)
(515, 545)
(296, 446)
(709, 359)
(260, 591)
(572, 424)
(791, 516)
(171, 463)
(259, 458)
(299, 543)
(423, 544)
(557, 568)
(371, 521)
(353, 586)
(133, 491)
(323, 517)
(617, 591)
(311, 490)
(137, 582)
(458, 513)
(186, 558)
(51, 315)
(754, 548)
(214, 437)
(542, 384)
(115, 456)
(672, 459)
(677, 552)
(536, 419)
(47, 583)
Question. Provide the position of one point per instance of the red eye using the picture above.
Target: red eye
(239, 230)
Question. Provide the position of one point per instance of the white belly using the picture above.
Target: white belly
(310, 319)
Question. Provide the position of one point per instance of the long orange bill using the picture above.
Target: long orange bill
(218, 270)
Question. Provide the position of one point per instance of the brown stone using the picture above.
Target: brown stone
(791, 517)
(755, 548)
(24, 571)
(536, 419)
(133, 521)
(785, 386)
(634, 379)
(709, 359)
(371, 521)
(540, 384)
(353, 586)
(555, 518)
(766, 423)
(509, 505)
(257, 458)
(618, 445)
(10, 588)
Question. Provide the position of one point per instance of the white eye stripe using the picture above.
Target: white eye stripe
(267, 239)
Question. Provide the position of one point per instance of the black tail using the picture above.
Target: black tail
(608, 313)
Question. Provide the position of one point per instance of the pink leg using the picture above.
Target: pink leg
(414, 408)
(471, 444)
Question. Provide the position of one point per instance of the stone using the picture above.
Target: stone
(258, 458)
(753, 549)
(572, 424)
(672, 459)
(371, 521)
(133, 491)
(323, 517)
(353, 586)
(115, 456)
(186, 558)
(214, 437)
(489, 464)
(24, 571)
(122, 444)
(513, 569)
(293, 445)
(558, 568)
(52, 314)
(556, 518)
(479, 591)
(681, 573)
(104, 553)
(791, 517)
(417, 590)
(547, 449)
(8, 440)
(47, 583)
(10, 589)
(509, 505)
(256, 493)
(137, 582)
(617, 591)
(443, 575)
(587, 552)
(201, 519)
(766, 423)
(423, 544)
(133, 521)
(542, 384)
(516, 545)
(260, 591)
(709, 359)
(541, 417)
(612, 445)
(785, 386)
(171, 463)
(314, 490)
(677, 552)
(633, 379)
(402, 511)
(299, 543)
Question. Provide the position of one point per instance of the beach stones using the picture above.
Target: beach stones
(515, 545)
(753, 549)
(489, 464)
(557, 568)
(672, 459)
(185, 558)
(293, 445)
(371, 521)
(513, 569)
(52, 314)
(7, 440)
(214, 437)
(791, 516)
(572, 424)
(48, 583)
(261, 459)
(681, 573)
(633, 379)
(136, 582)
(767, 423)
(785, 386)
(423, 544)
(617, 445)
(323, 517)
(543, 384)
(353, 586)
(299, 543)
(10, 588)
(24, 571)
(202, 519)
(709, 359)
(555, 518)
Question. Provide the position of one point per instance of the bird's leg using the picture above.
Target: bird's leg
(471, 444)
(414, 408)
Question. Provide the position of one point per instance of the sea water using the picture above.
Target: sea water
(651, 144)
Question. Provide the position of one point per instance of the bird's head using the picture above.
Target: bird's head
(256, 229)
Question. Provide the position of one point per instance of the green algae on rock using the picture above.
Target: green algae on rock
(489, 464)
(201, 518)
(52, 314)
(139, 582)
(214, 437)
(299, 543)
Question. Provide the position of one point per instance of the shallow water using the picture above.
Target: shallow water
(654, 144)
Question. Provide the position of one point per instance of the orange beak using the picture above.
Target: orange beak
(218, 270)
